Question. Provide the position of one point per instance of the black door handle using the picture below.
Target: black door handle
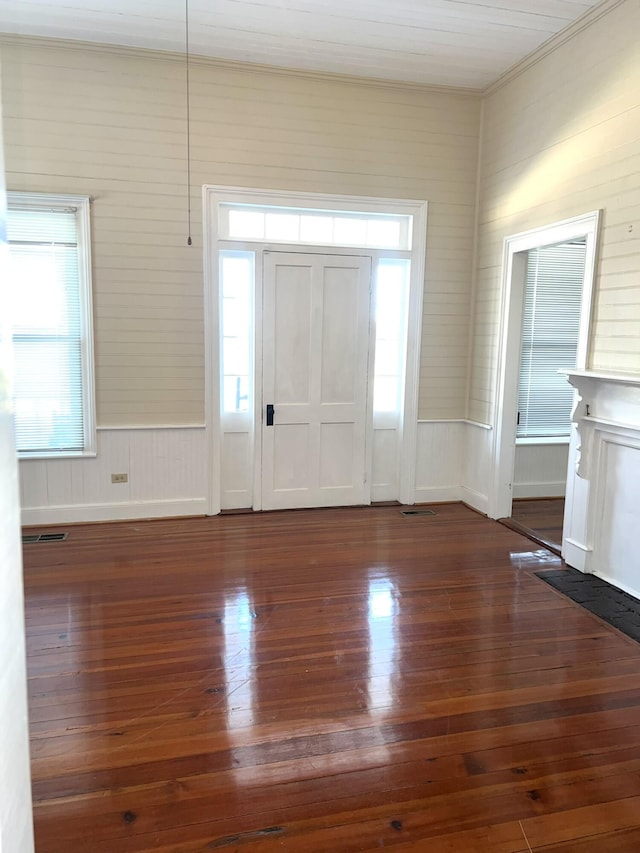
(270, 413)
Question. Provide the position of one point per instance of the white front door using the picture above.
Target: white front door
(316, 382)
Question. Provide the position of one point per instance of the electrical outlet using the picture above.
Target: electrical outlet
(119, 478)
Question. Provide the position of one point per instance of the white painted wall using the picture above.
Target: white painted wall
(111, 123)
(476, 473)
(540, 470)
(560, 139)
(165, 466)
(439, 460)
(16, 834)
(167, 475)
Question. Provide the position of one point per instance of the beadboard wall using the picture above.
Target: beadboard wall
(111, 123)
(166, 470)
(167, 475)
(561, 139)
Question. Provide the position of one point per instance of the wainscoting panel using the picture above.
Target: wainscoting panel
(476, 476)
(384, 464)
(540, 470)
(166, 473)
(237, 470)
(439, 460)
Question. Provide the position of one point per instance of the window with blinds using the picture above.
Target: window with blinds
(551, 324)
(51, 323)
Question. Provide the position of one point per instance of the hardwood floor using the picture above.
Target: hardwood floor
(328, 680)
(541, 518)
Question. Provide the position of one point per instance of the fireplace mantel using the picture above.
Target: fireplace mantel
(602, 514)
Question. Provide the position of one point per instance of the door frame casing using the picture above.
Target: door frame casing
(213, 196)
(511, 307)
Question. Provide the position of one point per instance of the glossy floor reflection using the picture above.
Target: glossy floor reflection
(328, 680)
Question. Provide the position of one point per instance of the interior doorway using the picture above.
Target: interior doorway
(552, 300)
(546, 449)
(541, 519)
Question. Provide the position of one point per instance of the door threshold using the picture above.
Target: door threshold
(512, 524)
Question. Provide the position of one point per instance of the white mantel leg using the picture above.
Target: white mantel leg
(602, 512)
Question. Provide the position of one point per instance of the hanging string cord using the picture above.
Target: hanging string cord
(186, 28)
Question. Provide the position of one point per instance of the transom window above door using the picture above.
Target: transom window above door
(282, 273)
(314, 227)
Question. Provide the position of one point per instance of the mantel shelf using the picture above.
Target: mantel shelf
(602, 376)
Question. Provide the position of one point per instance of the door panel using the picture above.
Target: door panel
(291, 448)
(315, 357)
(339, 359)
(291, 339)
(336, 455)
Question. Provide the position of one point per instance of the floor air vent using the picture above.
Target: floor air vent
(29, 538)
(417, 512)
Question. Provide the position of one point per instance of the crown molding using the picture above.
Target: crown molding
(15, 40)
(591, 17)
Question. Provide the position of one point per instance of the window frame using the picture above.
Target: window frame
(82, 204)
(337, 213)
(567, 270)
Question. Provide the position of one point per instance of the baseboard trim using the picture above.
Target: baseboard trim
(539, 490)
(576, 555)
(474, 499)
(618, 584)
(437, 494)
(78, 513)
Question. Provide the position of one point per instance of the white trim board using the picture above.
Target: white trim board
(539, 489)
(478, 424)
(83, 513)
(118, 427)
(510, 325)
(438, 494)
(9, 39)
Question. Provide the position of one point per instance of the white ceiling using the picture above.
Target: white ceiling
(468, 43)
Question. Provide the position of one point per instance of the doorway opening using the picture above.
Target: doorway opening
(313, 322)
(546, 312)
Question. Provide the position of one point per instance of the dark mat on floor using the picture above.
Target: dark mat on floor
(609, 603)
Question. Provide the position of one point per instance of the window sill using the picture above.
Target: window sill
(82, 454)
(540, 440)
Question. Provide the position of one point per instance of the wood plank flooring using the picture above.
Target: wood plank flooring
(541, 517)
(328, 680)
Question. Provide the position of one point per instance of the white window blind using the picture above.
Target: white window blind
(50, 303)
(551, 324)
